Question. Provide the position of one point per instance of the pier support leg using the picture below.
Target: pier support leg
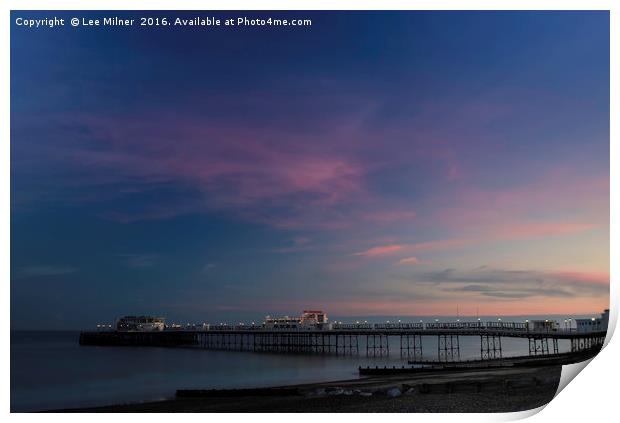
(490, 347)
(411, 346)
(538, 346)
(448, 348)
(377, 345)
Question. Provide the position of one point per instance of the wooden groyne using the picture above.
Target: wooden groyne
(423, 366)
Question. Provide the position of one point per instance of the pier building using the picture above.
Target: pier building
(140, 323)
(542, 325)
(594, 324)
(309, 320)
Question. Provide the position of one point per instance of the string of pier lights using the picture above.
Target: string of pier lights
(103, 327)
(338, 322)
(567, 324)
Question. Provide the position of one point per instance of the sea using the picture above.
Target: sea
(50, 370)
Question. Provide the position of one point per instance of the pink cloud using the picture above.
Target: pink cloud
(542, 229)
(510, 232)
(386, 216)
(412, 261)
(442, 244)
(235, 169)
(276, 175)
(290, 179)
(381, 250)
(597, 278)
(409, 260)
(577, 202)
(385, 250)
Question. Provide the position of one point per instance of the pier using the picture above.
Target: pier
(371, 342)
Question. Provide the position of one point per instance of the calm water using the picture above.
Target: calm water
(50, 370)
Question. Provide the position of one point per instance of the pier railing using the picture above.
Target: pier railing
(507, 328)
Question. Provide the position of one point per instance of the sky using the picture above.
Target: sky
(374, 163)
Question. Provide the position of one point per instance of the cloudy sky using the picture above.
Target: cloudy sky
(371, 164)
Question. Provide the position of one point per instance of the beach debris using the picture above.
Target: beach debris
(408, 389)
(318, 392)
(394, 392)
